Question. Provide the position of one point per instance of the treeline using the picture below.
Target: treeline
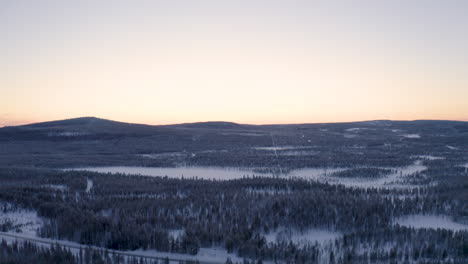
(132, 212)
(364, 173)
(27, 253)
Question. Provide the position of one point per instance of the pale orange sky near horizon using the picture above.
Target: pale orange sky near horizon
(256, 62)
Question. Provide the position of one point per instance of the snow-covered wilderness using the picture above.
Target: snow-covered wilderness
(96, 191)
(393, 179)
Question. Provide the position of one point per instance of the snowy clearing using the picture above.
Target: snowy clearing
(89, 185)
(268, 191)
(205, 255)
(430, 221)
(311, 236)
(22, 221)
(210, 172)
(280, 148)
(179, 172)
(162, 155)
(58, 187)
(428, 157)
(465, 166)
(411, 135)
(68, 134)
(297, 153)
(213, 255)
(315, 173)
(176, 233)
(391, 181)
(245, 134)
(354, 129)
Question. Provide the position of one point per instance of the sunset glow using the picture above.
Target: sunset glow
(162, 62)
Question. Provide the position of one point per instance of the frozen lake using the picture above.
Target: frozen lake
(179, 172)
(393, 180)
(210, 172)
(430, 221)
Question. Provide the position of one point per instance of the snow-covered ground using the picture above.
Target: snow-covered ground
(279, 148)
(411, 135)
(465, 166)
(427, 157)
(58, 187)
(22, 221)
(393, 180)
(162, 155)
(68, 134)
(211, 172)
(247, 134)
(205, 255)
(310, 236)
(319, 174)
(430, 221)
(176, 233)
(268, 191)
(89, 185)
(297, 152)
(179, 172)
(26, 223)
(211, 255)
(354, 129)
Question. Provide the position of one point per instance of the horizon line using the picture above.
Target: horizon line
(239, 123)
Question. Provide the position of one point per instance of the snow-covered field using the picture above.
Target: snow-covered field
(311, 236)
(354, 129)
(297, 153)
(465, 166)
(179, 172)
(315, 173)
(247, 134)
(212, 255)
(22, 221)
(427, 157)
(211, 172)
(68, 134)
(452, 147)
(58, 187)
(162, 155)
(26, 223)
(268, 191)
(205, 255)
(279, 148)
(430, 221)
(411, 135)
(176, 233)
(89, 185)
(393, 180)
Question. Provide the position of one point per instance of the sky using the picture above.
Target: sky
(245, 61)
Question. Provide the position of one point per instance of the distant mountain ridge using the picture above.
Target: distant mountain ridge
(91, 141)
(95, 121)
(98, 128)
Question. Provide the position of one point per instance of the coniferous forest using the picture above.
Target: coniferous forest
(273, 215)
